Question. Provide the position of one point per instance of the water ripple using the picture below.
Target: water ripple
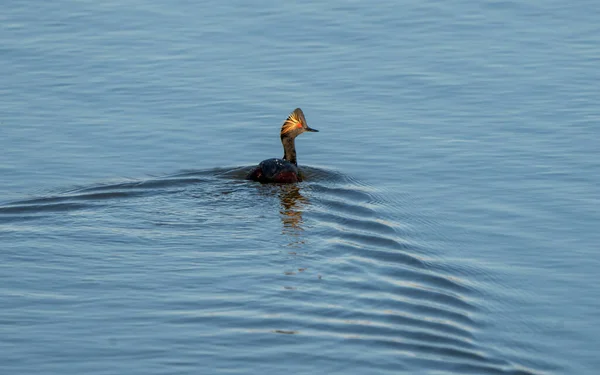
(338, 270)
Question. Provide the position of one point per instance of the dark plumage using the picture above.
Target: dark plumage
(284, 170)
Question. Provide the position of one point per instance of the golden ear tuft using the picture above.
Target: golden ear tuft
(294, 120)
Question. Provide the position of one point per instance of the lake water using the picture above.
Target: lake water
(449, 222)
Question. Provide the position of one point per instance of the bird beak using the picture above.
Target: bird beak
(311, 129)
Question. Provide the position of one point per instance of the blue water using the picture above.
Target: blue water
(448, 223)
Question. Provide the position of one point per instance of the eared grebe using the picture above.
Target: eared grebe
(284, 170)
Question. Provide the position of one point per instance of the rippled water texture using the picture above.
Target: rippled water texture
(448, 221)
(239, 262)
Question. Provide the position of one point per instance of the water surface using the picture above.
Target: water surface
(447, 225)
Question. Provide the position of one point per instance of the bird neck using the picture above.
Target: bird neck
(289, 149)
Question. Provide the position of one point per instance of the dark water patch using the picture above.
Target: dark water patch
(158, 183)
(234, 173)
(70, 199)
(37, 208)
(74, 197)
(17, 218)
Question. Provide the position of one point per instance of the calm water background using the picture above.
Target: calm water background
(449, 224)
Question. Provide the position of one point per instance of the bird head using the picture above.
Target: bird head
(295, 124)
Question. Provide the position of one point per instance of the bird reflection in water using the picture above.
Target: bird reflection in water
(292, 205)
